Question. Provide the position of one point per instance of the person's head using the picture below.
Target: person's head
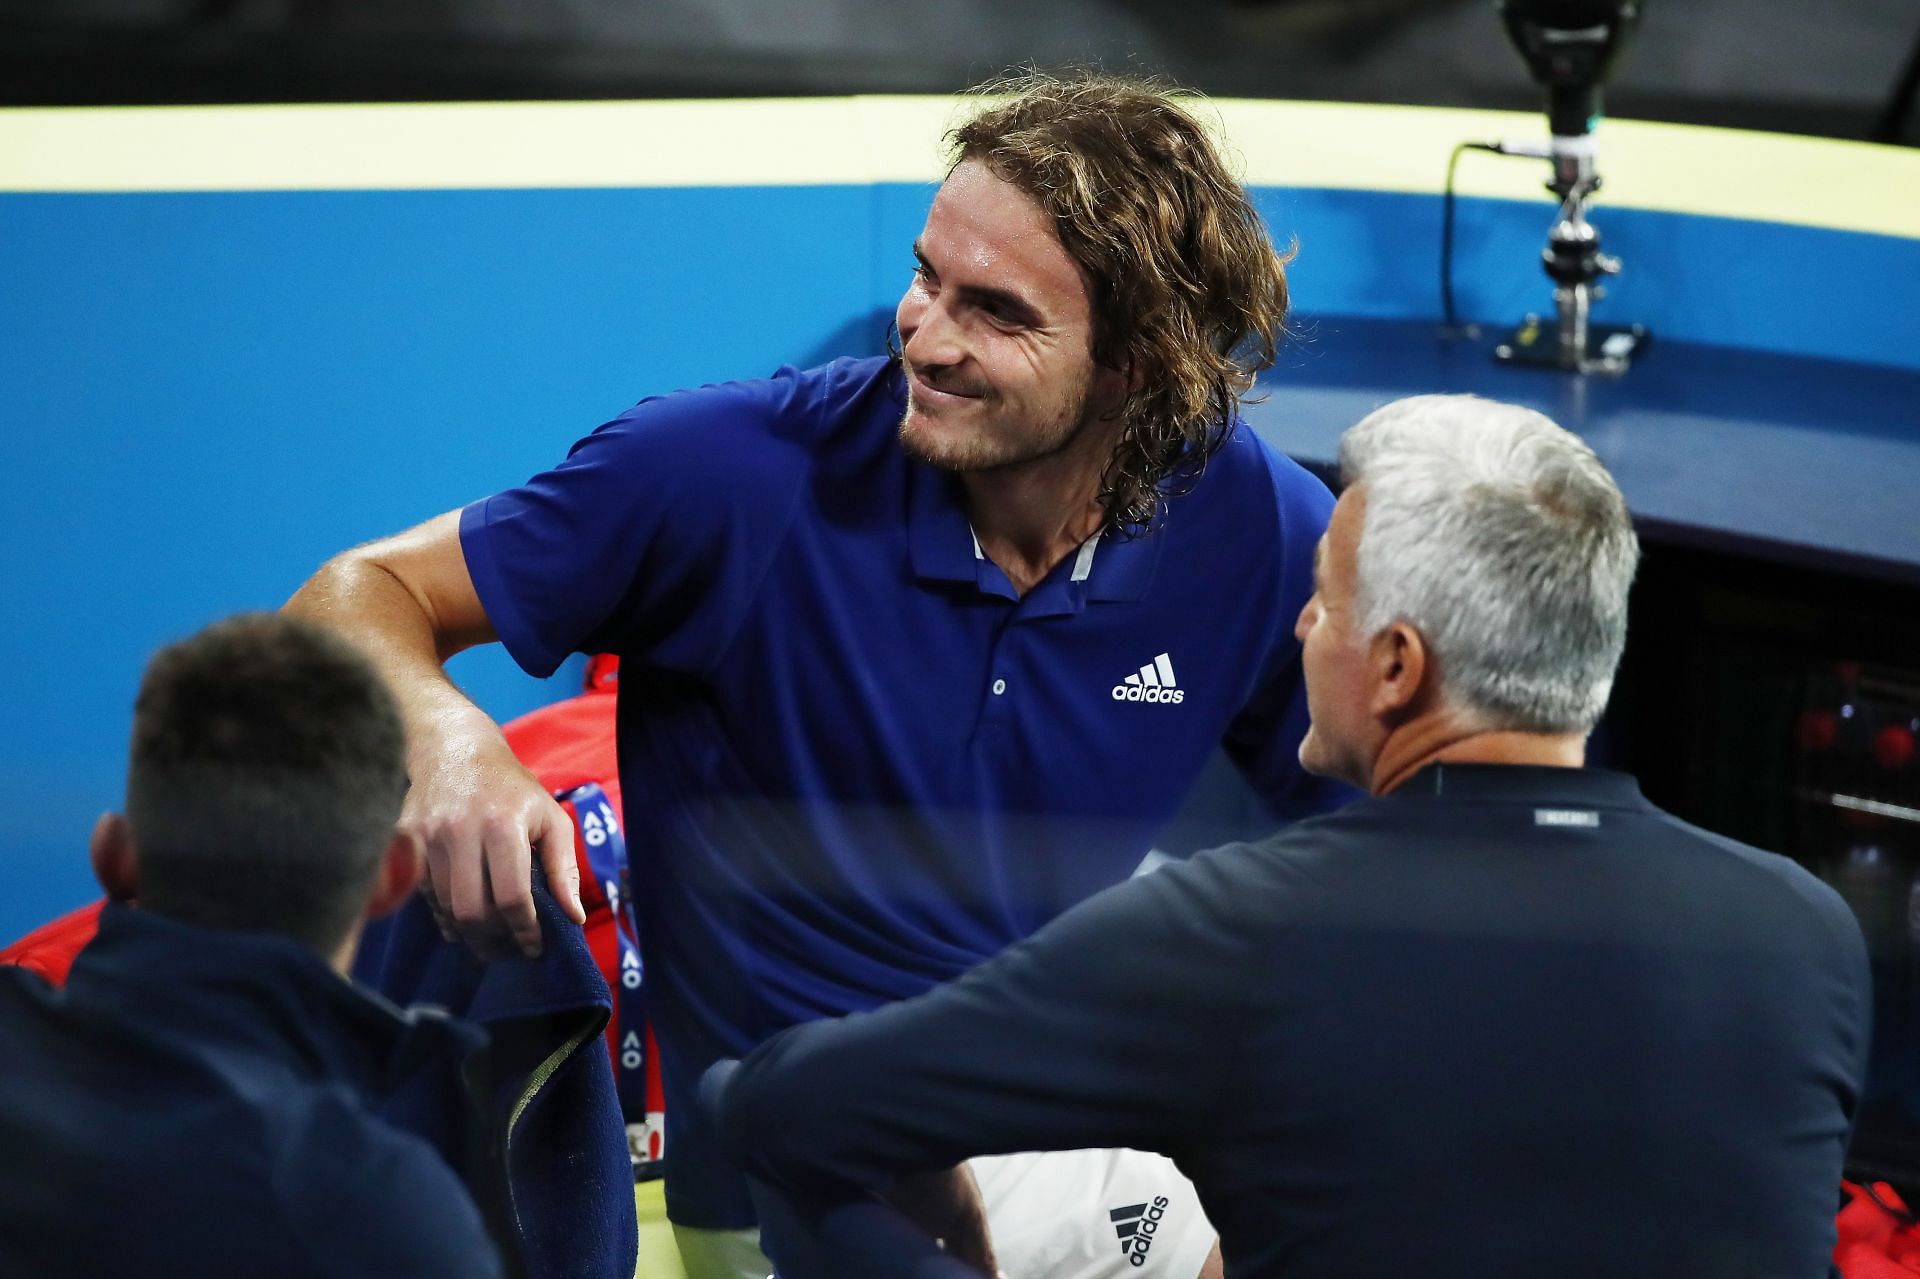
(266, 774)
(1473, 581)
(1089, 265)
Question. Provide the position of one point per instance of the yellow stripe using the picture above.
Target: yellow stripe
(1768, 177)
(852, 140)
(471, 145)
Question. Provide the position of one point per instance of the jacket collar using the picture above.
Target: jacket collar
(1524, 784)
(265, 994)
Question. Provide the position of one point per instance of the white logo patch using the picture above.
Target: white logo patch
(1153, 682)
(1566, 817)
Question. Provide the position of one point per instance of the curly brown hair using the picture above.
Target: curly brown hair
(1189, 294)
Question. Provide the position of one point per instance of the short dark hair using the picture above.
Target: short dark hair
(268, 767)
(1189, 293)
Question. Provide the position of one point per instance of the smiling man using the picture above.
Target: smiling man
(883, 623)
(1502, 1019)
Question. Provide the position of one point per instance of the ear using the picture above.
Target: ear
(1111, 386)
(1401, 665)
(398, 876)
(116, 864)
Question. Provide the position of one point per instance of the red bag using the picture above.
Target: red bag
(1879, 1238)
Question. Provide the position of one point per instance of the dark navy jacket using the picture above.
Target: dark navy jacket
(1501, 1023)
(199, 1102)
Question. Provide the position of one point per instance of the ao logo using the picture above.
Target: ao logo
(597, 823)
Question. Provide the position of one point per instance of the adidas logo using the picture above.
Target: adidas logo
(1151, 683)
(1136, 1224)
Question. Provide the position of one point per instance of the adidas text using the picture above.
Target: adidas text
(1136, 1225)
(1153, 682)
(1134, 693)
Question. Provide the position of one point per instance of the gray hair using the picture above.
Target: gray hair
(1504, 541)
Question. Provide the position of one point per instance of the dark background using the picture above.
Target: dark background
(1830, 68)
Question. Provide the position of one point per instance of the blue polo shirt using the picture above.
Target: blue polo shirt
(854, 762)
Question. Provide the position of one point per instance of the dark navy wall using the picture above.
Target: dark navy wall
(204, 395)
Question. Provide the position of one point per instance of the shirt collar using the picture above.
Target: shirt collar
(1082, 558)
(1524, 784)
(941, 544)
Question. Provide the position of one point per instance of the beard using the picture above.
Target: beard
(995, 437)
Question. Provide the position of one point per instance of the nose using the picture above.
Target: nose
(1304, 623)
(929, 338)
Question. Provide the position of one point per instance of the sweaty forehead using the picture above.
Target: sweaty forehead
(985, 225)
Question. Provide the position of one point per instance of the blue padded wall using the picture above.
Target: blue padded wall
(202, 396)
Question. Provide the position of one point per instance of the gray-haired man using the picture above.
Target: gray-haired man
(1505, 1018)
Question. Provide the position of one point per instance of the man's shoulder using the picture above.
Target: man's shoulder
(22, 987)
(49, 949)
(1273, 505)
(1263, 883)
(1247, 459)
(754, 437)
(1355, 858)
(1728, 893)
(1794, 892)
(334, 1162)
(791, 403)
(851, 406)
(288, 1168)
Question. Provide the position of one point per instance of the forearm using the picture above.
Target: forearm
(1102, 1030)
(409, 602)
(363, 594)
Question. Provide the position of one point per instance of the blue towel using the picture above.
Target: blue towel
(533, 1122)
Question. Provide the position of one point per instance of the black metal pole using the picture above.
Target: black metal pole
(1892, 119)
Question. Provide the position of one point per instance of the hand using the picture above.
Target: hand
(947, 1205)
(481, 817)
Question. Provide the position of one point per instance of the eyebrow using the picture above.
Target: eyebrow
(1319, 554)
(1020, 309)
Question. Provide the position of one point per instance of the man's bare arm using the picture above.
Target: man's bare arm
(410, 603)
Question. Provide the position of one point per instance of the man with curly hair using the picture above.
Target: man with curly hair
(917, 650)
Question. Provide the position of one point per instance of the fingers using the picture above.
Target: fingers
(478, 880)
(561, 860)
(508, 861)
(467, 897)
(437, 891)
(481, 822)
(441, 855)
